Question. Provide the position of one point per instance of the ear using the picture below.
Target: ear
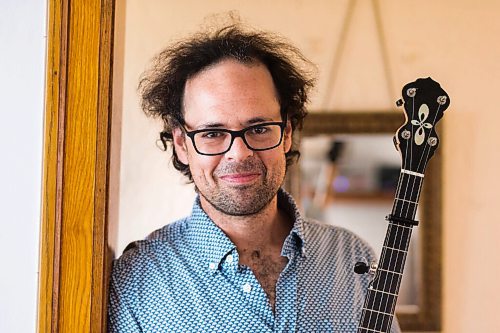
(180, 147)
(287, 137)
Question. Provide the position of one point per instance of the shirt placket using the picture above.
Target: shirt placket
(247, 285)
(286, 298)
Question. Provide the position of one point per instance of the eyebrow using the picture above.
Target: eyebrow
(259, 120)
(251, 121)
(210, 125)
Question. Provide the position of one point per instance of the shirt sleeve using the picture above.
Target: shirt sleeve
(121, 318)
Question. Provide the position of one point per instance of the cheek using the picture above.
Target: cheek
(274, 160)
(203, 166)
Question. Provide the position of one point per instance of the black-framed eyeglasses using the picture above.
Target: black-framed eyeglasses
(218, 141)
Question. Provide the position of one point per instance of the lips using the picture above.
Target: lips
(240, 178)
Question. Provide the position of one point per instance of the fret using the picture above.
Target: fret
(376, 320)
(387, 271)
(394, 249)
(382, 291)
(379, 313)
(407, 196)
(404, 200)
(392, 260)
(408, 187)
(387, 281)
(364, 329)
(382, 294)
(400, 225)
(421, 175)
(397, 236)
(380, 300)
(376, 323)
(404, 209)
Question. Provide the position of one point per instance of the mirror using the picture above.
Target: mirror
(347, 175)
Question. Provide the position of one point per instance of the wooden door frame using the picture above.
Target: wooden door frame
(74, 254)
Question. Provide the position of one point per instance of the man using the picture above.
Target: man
(245, 260)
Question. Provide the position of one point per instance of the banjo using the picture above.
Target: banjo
(416, 140)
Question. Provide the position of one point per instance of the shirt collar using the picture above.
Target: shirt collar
(213, 244)
(296, 241)
(210, 241)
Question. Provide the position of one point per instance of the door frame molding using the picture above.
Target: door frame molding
(75, 258)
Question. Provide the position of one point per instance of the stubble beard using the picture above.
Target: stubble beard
(242, 200)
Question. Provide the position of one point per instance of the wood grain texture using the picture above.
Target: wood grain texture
(74, 256)
(332, 122)
(102, 255)
(52, 170)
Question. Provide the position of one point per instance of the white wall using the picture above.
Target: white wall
(22, 66)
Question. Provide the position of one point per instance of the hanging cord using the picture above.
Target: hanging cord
(383, 48)
(339, 50)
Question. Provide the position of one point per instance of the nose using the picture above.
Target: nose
(239, 150)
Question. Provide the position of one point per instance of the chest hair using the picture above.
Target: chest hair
(267, 269)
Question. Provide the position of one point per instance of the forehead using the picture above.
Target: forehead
(230, 92)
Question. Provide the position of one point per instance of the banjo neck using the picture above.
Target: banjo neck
(380, 303)
(416, 140)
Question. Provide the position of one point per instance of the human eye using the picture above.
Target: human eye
(259, 130)
(212, 135)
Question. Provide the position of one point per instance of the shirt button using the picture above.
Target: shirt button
(247, 287)
(212, 265)
(229, 259)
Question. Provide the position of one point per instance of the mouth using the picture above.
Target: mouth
(240, 178)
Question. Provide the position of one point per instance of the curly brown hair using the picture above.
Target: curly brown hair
(162, 86)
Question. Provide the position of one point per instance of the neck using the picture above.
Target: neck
(263, 230)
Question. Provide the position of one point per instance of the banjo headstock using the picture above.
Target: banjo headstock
(424, 103)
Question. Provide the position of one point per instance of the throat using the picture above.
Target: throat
(259, 234)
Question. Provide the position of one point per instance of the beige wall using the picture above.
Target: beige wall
(472, 217)
(455, 42)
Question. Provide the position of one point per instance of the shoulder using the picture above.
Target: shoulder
(158, 250)
(317, 229)
(335, 238)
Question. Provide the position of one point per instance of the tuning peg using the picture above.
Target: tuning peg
(432, 141)
(361, 268)
(442, 100)
(399, 102)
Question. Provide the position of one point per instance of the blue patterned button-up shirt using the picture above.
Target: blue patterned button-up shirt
(185, 277)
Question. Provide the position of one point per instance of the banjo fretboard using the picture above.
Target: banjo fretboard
(416, 140)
